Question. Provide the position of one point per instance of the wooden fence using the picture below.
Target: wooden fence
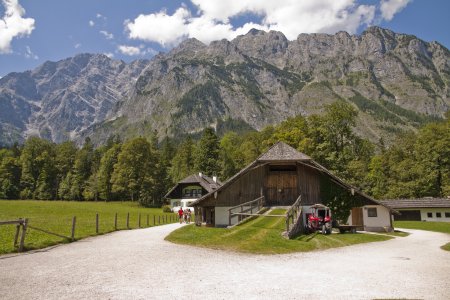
(294, 219)
(22, 225)
(245, 210)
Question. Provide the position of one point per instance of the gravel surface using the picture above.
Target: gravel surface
(139, 264)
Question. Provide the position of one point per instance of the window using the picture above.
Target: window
(438, 215)
(429, 215)
(372, 212)
(447, 214)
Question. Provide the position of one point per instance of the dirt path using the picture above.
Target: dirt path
(139, 264)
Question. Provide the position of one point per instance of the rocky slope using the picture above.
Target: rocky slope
(58, 100)
(396, 81)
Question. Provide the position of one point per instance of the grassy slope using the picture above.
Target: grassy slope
(56, 216)
(430, 226)
(263, 236)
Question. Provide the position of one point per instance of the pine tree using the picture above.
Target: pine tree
(206, 155)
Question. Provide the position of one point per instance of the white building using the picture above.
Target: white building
(423, 209)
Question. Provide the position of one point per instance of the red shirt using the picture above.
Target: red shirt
(180, 212)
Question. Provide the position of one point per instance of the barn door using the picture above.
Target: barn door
(357, 217)
(281, 187)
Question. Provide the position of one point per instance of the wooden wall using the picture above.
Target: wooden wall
(309, 184)
(245, 188)
(248, 187)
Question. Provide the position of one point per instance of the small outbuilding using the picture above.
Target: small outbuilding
(281, 175)
(422, 209)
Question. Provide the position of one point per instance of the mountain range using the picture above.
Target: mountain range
(396, 82)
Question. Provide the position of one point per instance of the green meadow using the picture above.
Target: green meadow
(56, 216)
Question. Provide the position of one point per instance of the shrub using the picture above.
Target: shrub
(166, 209)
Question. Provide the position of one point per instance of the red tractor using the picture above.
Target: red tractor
(319, 219)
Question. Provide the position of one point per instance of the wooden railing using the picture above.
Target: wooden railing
(293, 217)
(246, 210)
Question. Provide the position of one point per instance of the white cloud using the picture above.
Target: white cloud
(213, 19)
(390, 7)
(107, 35)
(30, 54)
(13, 25)
(159, 27)
(77, 45)
(129, 50)
(109, 54)
(91, 23)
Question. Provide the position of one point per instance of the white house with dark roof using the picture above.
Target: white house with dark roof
(422, 209)
(191, 188)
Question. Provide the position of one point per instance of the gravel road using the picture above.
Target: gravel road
(139, 264)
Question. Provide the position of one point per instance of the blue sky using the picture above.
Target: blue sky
(34, 31)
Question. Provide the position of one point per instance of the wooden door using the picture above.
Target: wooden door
(357, 217)
(281, 188)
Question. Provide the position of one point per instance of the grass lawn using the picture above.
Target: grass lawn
(263, 236)
(56, 216)
(430, 226)
(446, 247)
(395, 233)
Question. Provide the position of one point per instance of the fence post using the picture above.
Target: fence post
(154, 220)
(22, 238)
(147, 221)
(74, 220)
(139, 221)
(96, 223)
(16, 237)
(159, 220)
(115, 221)
(287, 222)
(241, 216)
(128, 220)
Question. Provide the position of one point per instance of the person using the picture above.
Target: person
(185, 213)
(188, 216)
(180, 214)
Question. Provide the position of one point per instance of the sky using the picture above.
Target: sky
(35, 31)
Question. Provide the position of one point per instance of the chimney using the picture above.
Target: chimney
(200, 174)
(215, 179)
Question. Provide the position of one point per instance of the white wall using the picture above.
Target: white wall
(378, 223)
(424, 211)
(381, 221)
(221, 215)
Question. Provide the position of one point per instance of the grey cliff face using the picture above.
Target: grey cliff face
(396, 81)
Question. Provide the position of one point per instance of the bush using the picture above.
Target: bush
(167, 208)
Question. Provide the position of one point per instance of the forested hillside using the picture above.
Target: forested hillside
(141, 169)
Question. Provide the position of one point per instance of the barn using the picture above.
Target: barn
(281, 175)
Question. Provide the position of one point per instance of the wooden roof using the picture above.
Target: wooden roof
(418, 203)
(282, 152)
(204, 181)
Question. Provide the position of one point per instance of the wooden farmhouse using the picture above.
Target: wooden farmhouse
(423, 209)
(281, 175)
(191, 188)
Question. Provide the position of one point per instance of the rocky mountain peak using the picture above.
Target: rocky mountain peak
(396, 81)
